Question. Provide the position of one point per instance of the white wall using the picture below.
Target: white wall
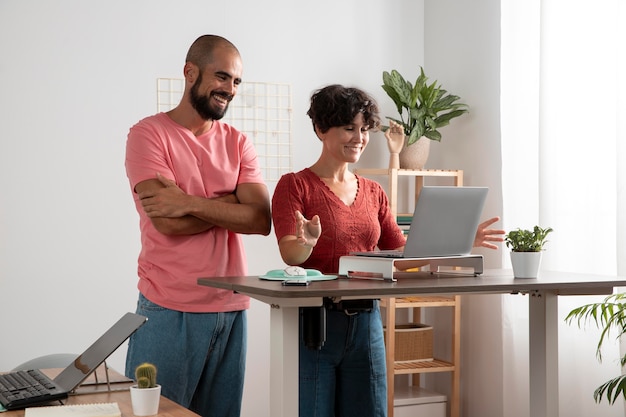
(75, 75)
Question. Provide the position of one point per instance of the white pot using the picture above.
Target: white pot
(145, 401)
(415, 155)
(525, 264)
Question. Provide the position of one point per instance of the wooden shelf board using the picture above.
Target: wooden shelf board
(430, 301)
(410, 172)
(418, 367)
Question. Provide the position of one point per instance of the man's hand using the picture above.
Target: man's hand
(174, 212)
(169, 201)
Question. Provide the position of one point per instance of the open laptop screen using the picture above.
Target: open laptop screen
(90, 359)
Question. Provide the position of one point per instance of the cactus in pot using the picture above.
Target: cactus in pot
(145, 374)
(146, 394)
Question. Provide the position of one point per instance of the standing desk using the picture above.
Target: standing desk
(543, 318)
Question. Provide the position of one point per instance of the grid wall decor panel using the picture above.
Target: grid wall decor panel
(261, 110)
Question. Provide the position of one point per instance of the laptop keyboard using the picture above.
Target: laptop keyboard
(21, 385)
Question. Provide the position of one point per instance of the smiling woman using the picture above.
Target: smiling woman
(320, 214)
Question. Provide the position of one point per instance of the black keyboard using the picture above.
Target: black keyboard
(24, 388)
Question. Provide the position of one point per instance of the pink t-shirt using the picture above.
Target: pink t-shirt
(362, 226)
(210, 165)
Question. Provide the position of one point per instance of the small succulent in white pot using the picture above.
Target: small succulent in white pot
(526, 246)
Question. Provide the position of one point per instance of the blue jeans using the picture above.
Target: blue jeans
(348, 376)
(200, 357)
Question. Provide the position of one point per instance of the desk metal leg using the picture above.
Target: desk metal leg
(284, 361)
(543, 338)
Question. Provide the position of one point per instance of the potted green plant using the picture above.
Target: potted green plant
(145, 395)
(423, 109)
(526, 248)
(607, 315)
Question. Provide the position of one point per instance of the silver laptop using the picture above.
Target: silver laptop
(444, 223)
(21, 389)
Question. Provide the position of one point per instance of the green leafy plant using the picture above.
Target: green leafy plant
(145, 374)
(607, 315)
(524, 240)
(423, 107)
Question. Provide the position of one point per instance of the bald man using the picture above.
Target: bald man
(197, 187)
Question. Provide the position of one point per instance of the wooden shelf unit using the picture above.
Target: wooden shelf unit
(417, 303)
(418, 174)
(420, 367)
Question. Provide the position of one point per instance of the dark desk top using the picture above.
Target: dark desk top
(416, 283)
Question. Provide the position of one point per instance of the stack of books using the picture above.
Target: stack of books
(404, 221)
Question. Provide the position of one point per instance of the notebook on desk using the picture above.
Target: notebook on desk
(444, 223)
(20, 389)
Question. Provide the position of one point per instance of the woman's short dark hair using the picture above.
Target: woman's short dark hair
(336, 105)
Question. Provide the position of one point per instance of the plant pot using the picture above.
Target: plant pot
(415, 156)
(525, 264)
(145, 401)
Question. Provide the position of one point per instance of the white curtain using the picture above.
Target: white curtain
(563, 166)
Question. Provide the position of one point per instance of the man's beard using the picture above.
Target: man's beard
(202, 104)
